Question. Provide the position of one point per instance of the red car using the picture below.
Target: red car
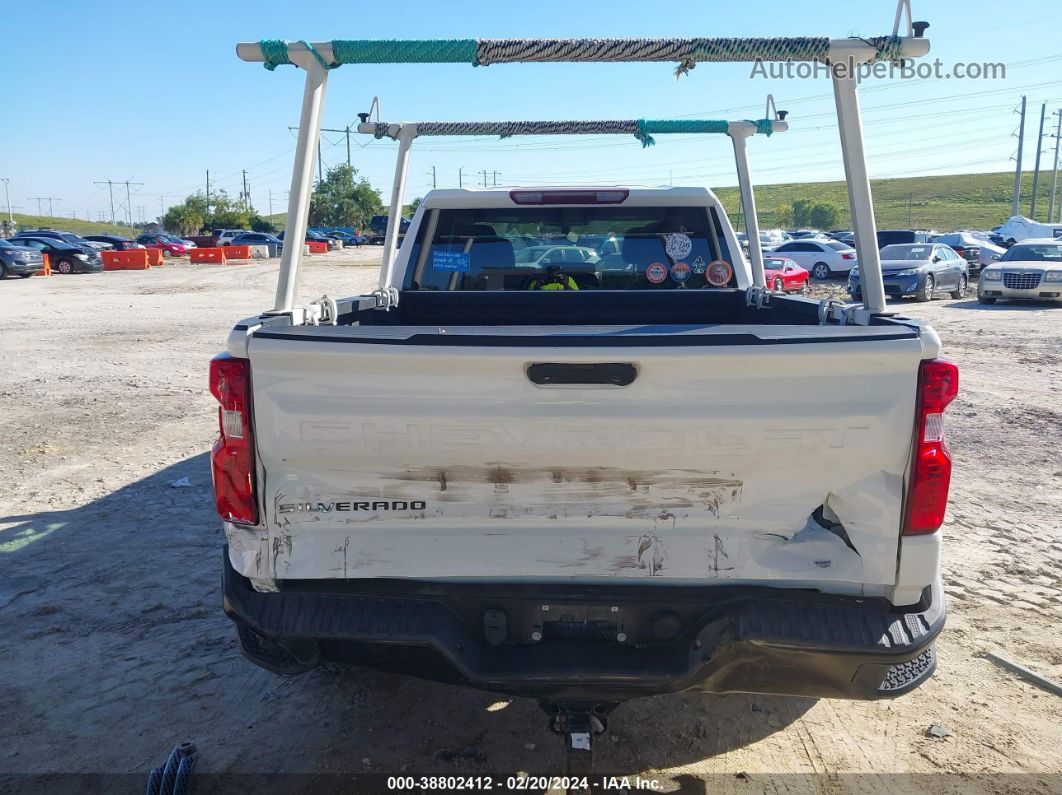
(169, 248)
(785, 276)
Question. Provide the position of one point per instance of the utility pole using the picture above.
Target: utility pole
(110, 190)
(49, 199)
(7, 198)
(1054, 174)
(460, 175)
(1036, 172)
(433, 185)
(129, 202)
(246, 193)
(910, 196)
(1016, 199)
(270, 202)
(496, 173)
(484, 173)
(347, 131)
(208, 192)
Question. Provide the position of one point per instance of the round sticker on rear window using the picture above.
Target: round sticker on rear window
(680, 271)
(656, 272)
(718, 273)
(678, 246)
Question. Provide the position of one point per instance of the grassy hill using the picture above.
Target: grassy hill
(944, 202)
(74, 225)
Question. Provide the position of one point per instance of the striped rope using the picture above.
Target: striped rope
(687, 53)
(642, 129)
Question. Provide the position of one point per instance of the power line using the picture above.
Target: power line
(49, 199)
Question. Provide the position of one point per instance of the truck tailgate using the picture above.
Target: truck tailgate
(770, 454)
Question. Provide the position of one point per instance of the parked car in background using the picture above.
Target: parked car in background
(822, 258)
(65, 257)
(311, 237)
(378, 228)
(541, 256)
(67, 237)
(346, 238)
(1019, 228)
(888, 237)
(162, 242)
(1030, 270)
(19, 260)
(115, 242)
(178, 240)
(774, 237)
(224, 237)
(919, 269)
(977, 252)
(801, 234)
(785, 276)
(256, 239)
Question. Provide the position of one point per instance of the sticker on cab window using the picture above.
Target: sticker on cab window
(678, 246)
(698, 265)
(453, 261)
(718, 273)
(680, 272)
(656, 273)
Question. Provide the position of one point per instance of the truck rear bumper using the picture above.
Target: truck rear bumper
(602, 642)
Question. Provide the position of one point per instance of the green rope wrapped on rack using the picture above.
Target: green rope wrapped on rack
(646, 127)
(397, 51)
(686, 52)
(275, 53)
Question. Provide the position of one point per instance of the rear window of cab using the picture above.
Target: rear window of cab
(570, 248)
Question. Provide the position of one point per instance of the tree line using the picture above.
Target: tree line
(341, 199)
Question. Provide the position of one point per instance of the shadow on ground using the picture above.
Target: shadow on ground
(115, 648)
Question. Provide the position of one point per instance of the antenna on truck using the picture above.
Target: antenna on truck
(318, 59)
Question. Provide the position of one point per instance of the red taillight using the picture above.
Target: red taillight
(232, 458)
(848, 256)
(598, 196)
(927, 491)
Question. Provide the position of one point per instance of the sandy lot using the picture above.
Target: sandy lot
(113, 645)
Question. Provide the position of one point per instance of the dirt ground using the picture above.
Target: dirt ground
(113, 645)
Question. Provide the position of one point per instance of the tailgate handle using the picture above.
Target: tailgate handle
(605, 373)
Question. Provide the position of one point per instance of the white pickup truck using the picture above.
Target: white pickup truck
(572, 448)
(590, 480)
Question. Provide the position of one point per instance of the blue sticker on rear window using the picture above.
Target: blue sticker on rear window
(456, 261)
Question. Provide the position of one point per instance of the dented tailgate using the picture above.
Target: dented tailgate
(774, 454)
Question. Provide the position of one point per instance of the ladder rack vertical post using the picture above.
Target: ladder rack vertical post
(850, 125)
(738, 133)
(406, 134)
(313, 97)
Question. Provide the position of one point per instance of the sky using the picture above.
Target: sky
(154, 94)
